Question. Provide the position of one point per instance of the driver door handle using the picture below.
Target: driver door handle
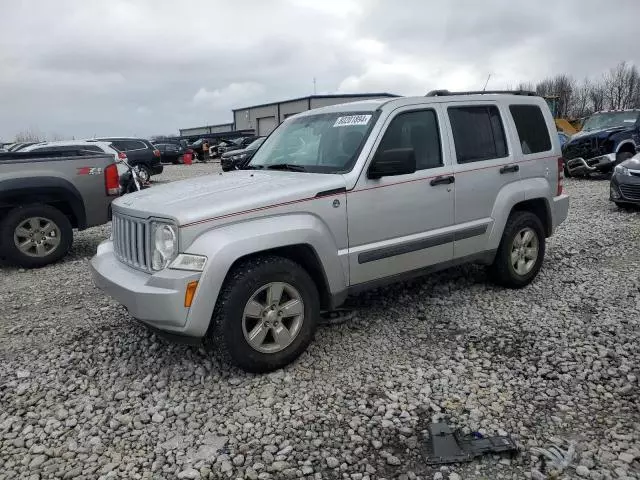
(447, 180)
(509, 169)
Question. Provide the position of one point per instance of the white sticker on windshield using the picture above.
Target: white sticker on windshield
(352, 120)
(629, 120)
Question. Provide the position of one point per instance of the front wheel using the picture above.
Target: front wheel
(266, 314)
(521, 251)
(35, 236)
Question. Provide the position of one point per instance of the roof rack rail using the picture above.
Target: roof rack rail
(445, 93)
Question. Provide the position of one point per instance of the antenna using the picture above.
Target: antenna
(314, 85)
(485, 83)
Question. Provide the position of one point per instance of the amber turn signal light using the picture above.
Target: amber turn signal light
(190, 293)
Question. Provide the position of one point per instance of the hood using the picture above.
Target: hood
(633, 163)
(221, 194)
(601, 133)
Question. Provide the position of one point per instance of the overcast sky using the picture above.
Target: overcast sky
(145, 67)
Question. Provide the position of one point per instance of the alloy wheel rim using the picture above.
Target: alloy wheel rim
(37, 237)
(524, 251)
(273, 317)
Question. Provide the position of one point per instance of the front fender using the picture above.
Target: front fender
(226, 244)
(622, 143)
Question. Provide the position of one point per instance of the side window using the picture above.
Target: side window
(417, 130)
(134, 145)
(478, 133)
(120, 146)
(531, 127)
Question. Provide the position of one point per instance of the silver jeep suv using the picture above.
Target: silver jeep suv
(338, 200)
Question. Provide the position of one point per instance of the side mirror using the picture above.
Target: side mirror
(397, 161)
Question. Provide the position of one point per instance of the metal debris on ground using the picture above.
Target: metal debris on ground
(556, 459)
(447, 446)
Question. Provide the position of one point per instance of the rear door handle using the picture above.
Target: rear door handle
(442, 180)
(509, 169)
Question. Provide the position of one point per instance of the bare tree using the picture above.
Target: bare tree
(29, 135)
(597, 96)
(561, 88)
(580, 105)
(56, 137)
(621, 86)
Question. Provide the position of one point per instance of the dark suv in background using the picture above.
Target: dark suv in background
(140, 153)
(606, 140)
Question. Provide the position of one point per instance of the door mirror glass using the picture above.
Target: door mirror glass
(396, 161)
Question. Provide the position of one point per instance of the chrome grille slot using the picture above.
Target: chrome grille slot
(130, 241)
(632, 192)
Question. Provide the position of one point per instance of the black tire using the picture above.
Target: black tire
(567, 173)
(144, 173)
(502, 270)
(16, 217)
(240, 285)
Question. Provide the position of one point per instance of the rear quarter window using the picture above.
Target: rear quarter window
(531, 127)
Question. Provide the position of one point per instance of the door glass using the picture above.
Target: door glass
(416, 130)
(478, 133)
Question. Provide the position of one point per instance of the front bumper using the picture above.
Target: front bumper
(157, 300)
(624, 189)
(580, 166)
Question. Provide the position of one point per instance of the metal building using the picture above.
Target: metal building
(266, 117)
(220, 128)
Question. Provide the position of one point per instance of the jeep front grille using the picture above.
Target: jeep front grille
(131, 241)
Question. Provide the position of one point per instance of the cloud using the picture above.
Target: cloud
(146, 66)
(229, 95)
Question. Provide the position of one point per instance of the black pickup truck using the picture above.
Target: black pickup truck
(606, 140)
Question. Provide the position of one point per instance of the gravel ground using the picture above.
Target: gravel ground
(85, 392)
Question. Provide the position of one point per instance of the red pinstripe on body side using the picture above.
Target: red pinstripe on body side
(291, 202)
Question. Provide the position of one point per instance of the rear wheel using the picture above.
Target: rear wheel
(521, 251)
(35, 236)
(143, 173)
(266, 314)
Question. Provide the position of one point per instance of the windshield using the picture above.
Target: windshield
(255, 144)
(322, 143)
(600, 121)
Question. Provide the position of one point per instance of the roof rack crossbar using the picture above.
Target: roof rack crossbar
(445, 93)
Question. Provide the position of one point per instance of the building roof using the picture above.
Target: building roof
(310, 97)
(209, 126)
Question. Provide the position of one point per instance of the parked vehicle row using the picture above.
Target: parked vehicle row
(237, 159)
(250, 259)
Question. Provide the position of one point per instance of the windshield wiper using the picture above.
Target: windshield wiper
(287, 166)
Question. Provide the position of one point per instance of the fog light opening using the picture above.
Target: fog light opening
(189, 293)
(615, 195)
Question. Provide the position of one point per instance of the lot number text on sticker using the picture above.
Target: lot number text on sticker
(352, 120)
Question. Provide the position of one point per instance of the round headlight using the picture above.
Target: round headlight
(165, 243)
